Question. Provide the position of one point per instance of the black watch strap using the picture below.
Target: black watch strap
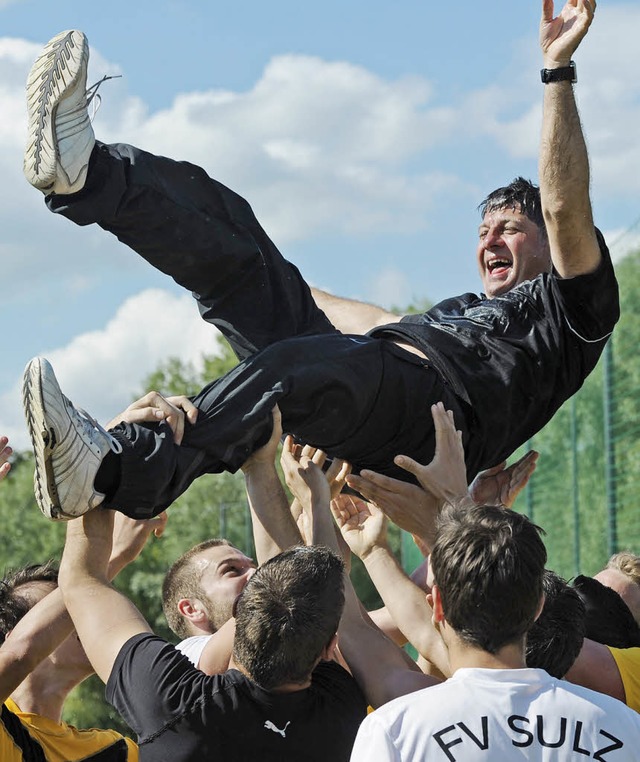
(563, 74)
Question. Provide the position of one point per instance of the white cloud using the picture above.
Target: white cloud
(389, 288)
(102, 370)
(623, 241)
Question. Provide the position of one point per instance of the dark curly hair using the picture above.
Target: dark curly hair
(15, 587)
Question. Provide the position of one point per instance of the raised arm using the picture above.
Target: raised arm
(563, 163)
(351, 316)
(382, 670)
(104, 618)
(274, 528)
(363, 527)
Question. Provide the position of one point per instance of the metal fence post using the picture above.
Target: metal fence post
(575, 487)
(609, 450)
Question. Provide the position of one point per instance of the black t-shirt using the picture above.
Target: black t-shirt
(517, 357)
(181, 714)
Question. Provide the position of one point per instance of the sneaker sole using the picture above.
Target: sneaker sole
(55, 71)
(43, 439)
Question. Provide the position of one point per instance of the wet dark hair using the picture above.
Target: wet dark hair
(608, 618)
(520, 193)
(555, 639)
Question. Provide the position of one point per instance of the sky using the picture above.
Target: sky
(364, 135)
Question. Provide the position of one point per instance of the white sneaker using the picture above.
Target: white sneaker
(69, 446)
(60, 133)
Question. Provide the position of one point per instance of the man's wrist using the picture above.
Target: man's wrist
(379, 551)
(559, 73)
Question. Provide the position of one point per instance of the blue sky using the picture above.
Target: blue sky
(363, 134)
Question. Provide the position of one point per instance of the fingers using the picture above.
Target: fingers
(314, 455)
(448, 438)
(522, 470)
(160, 523)
(5, 454)
(369, 484)
(154, 407)
(547, 10)
(277, 422)
(409, 464)
(185, 404)
(494, 470)
(276, 432)
(337, 474)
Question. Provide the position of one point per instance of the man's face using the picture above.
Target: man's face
(224, 571)
(511, 250)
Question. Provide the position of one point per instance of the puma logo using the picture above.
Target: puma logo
(268, 724)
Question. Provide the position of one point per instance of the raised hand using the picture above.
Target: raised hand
(500, 485)
(130, 536)
(445, 477)
(409, 506)
(266, 455)
(362, 525)
(302, 468)
(561, 35)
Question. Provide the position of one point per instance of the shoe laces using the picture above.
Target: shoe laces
(90, 425)
(92, 95)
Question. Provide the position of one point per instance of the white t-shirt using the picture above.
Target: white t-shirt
(491, 715)
(193, 647)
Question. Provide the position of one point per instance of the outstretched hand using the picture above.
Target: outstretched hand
(362, 525)
(302, 469)
(500, 485)
(5, 454)
(153, 407)
(409, 506)
(445, 477)
(131, 535)
(560, 36)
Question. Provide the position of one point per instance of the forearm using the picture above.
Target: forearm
(407, 605)
(216, 655)
(564, 164)
(274, 529)
(382, 669)
(35, 636)
(103, 617)
(564, 182)
(351, 316)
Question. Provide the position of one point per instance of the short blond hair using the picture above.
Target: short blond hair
(627, 563)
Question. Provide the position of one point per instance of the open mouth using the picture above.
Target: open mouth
(498, 266)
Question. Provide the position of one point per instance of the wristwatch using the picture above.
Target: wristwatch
(563, 74)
